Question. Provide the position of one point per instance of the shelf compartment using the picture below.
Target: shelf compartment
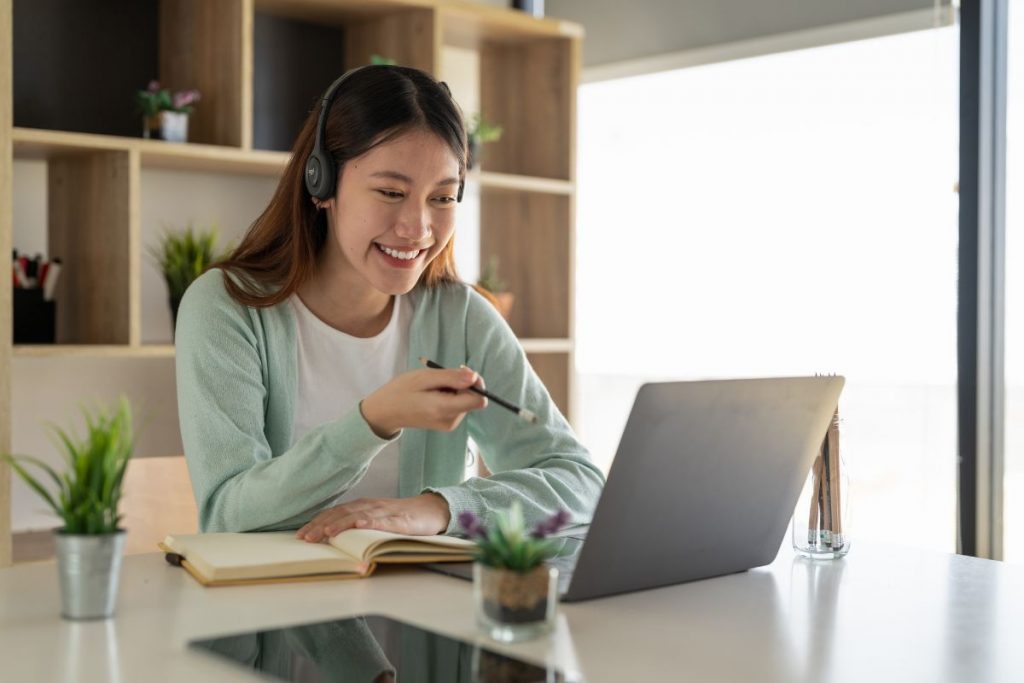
(77, 65)
(202, 46)
(91, 198)
(295, 60)
(530, 235)
(530, 91)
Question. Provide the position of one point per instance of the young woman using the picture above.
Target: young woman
(301, 398)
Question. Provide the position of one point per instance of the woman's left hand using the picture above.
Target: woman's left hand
(424, 515)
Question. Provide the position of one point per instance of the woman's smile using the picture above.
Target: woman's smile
(400, 258)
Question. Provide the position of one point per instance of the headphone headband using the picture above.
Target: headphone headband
(321, 169)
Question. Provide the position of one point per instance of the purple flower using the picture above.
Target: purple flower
(185, 98)
(471, 523)
(154, 86)
(551, 525)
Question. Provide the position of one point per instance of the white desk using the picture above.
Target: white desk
(875, 616)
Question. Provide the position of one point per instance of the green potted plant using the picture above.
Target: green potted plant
(493, 285)
(480, 131)
(182, 257)
(515, 590)
(86, 497)
(165, 116)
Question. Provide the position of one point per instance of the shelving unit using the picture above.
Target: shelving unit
(260, 64)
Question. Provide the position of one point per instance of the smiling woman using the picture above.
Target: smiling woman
(299, 403)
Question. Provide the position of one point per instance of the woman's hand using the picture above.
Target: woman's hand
(423, 399)
(424, 515)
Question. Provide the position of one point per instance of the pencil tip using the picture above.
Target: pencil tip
(423, 360)
(528, 415)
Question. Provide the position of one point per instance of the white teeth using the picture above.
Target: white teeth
(404, 255)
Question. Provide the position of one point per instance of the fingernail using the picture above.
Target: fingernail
(361, 522)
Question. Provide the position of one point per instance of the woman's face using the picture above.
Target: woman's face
(394, 212)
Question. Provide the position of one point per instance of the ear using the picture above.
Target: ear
(324, 204)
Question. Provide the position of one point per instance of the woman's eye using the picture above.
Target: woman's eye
(390, 194)
(444, 200)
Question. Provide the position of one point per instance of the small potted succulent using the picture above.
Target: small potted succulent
(496, 287)
(182, 257)
(515, 590)
(86, 497)
(480, 131)
(165, 116)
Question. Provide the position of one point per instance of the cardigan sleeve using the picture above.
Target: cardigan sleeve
(238, 483)
(542, 465)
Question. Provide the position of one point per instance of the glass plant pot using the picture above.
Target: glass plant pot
(513, 606)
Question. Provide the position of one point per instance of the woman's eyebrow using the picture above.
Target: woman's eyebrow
(395, 175)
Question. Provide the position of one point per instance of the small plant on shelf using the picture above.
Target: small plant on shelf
(480, 131)
(165, 116)
(493, 288)
(182, 256)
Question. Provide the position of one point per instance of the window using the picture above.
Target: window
(786, 214)
(1013, 478)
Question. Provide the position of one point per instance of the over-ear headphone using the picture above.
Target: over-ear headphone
(321, 169)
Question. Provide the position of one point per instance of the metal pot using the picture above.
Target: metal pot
(90, 570)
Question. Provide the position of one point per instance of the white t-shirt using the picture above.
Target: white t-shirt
(336, 371)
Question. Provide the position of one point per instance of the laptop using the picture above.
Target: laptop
(703, 484)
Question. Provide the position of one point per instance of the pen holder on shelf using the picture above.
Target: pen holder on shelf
(34, 317)
(822, 513)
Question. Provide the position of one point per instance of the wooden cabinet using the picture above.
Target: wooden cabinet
(260, 65)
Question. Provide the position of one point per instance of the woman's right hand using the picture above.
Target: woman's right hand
(423, 399)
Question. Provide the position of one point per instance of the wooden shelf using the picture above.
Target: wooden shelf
(465, 22)
(509, 181)
(32, 143)
(167, 350)
(93, 351)
(547, 345)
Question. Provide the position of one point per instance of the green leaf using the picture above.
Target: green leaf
(89, 490)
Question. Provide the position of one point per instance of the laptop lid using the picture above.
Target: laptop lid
(704, 481)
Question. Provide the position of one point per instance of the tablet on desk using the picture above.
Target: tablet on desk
(371, 649)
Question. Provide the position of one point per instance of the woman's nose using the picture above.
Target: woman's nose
(413, 223)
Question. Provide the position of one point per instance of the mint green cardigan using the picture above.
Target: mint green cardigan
(237, 382)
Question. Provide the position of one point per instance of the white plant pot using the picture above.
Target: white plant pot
(174, 126)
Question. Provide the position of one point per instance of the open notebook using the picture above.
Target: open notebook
(222, 559)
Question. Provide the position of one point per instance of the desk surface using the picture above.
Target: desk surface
(879, 614)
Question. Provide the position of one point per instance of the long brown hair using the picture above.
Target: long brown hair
(373, 105)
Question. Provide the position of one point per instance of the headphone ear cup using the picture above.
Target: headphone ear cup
(320, 175)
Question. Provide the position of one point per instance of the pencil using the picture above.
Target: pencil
(527, 415)
(812, 521)
(834, 480)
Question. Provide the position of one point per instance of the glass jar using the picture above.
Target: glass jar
(821, 517)
(513, 606)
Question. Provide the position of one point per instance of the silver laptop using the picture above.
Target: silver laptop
(703, 484)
